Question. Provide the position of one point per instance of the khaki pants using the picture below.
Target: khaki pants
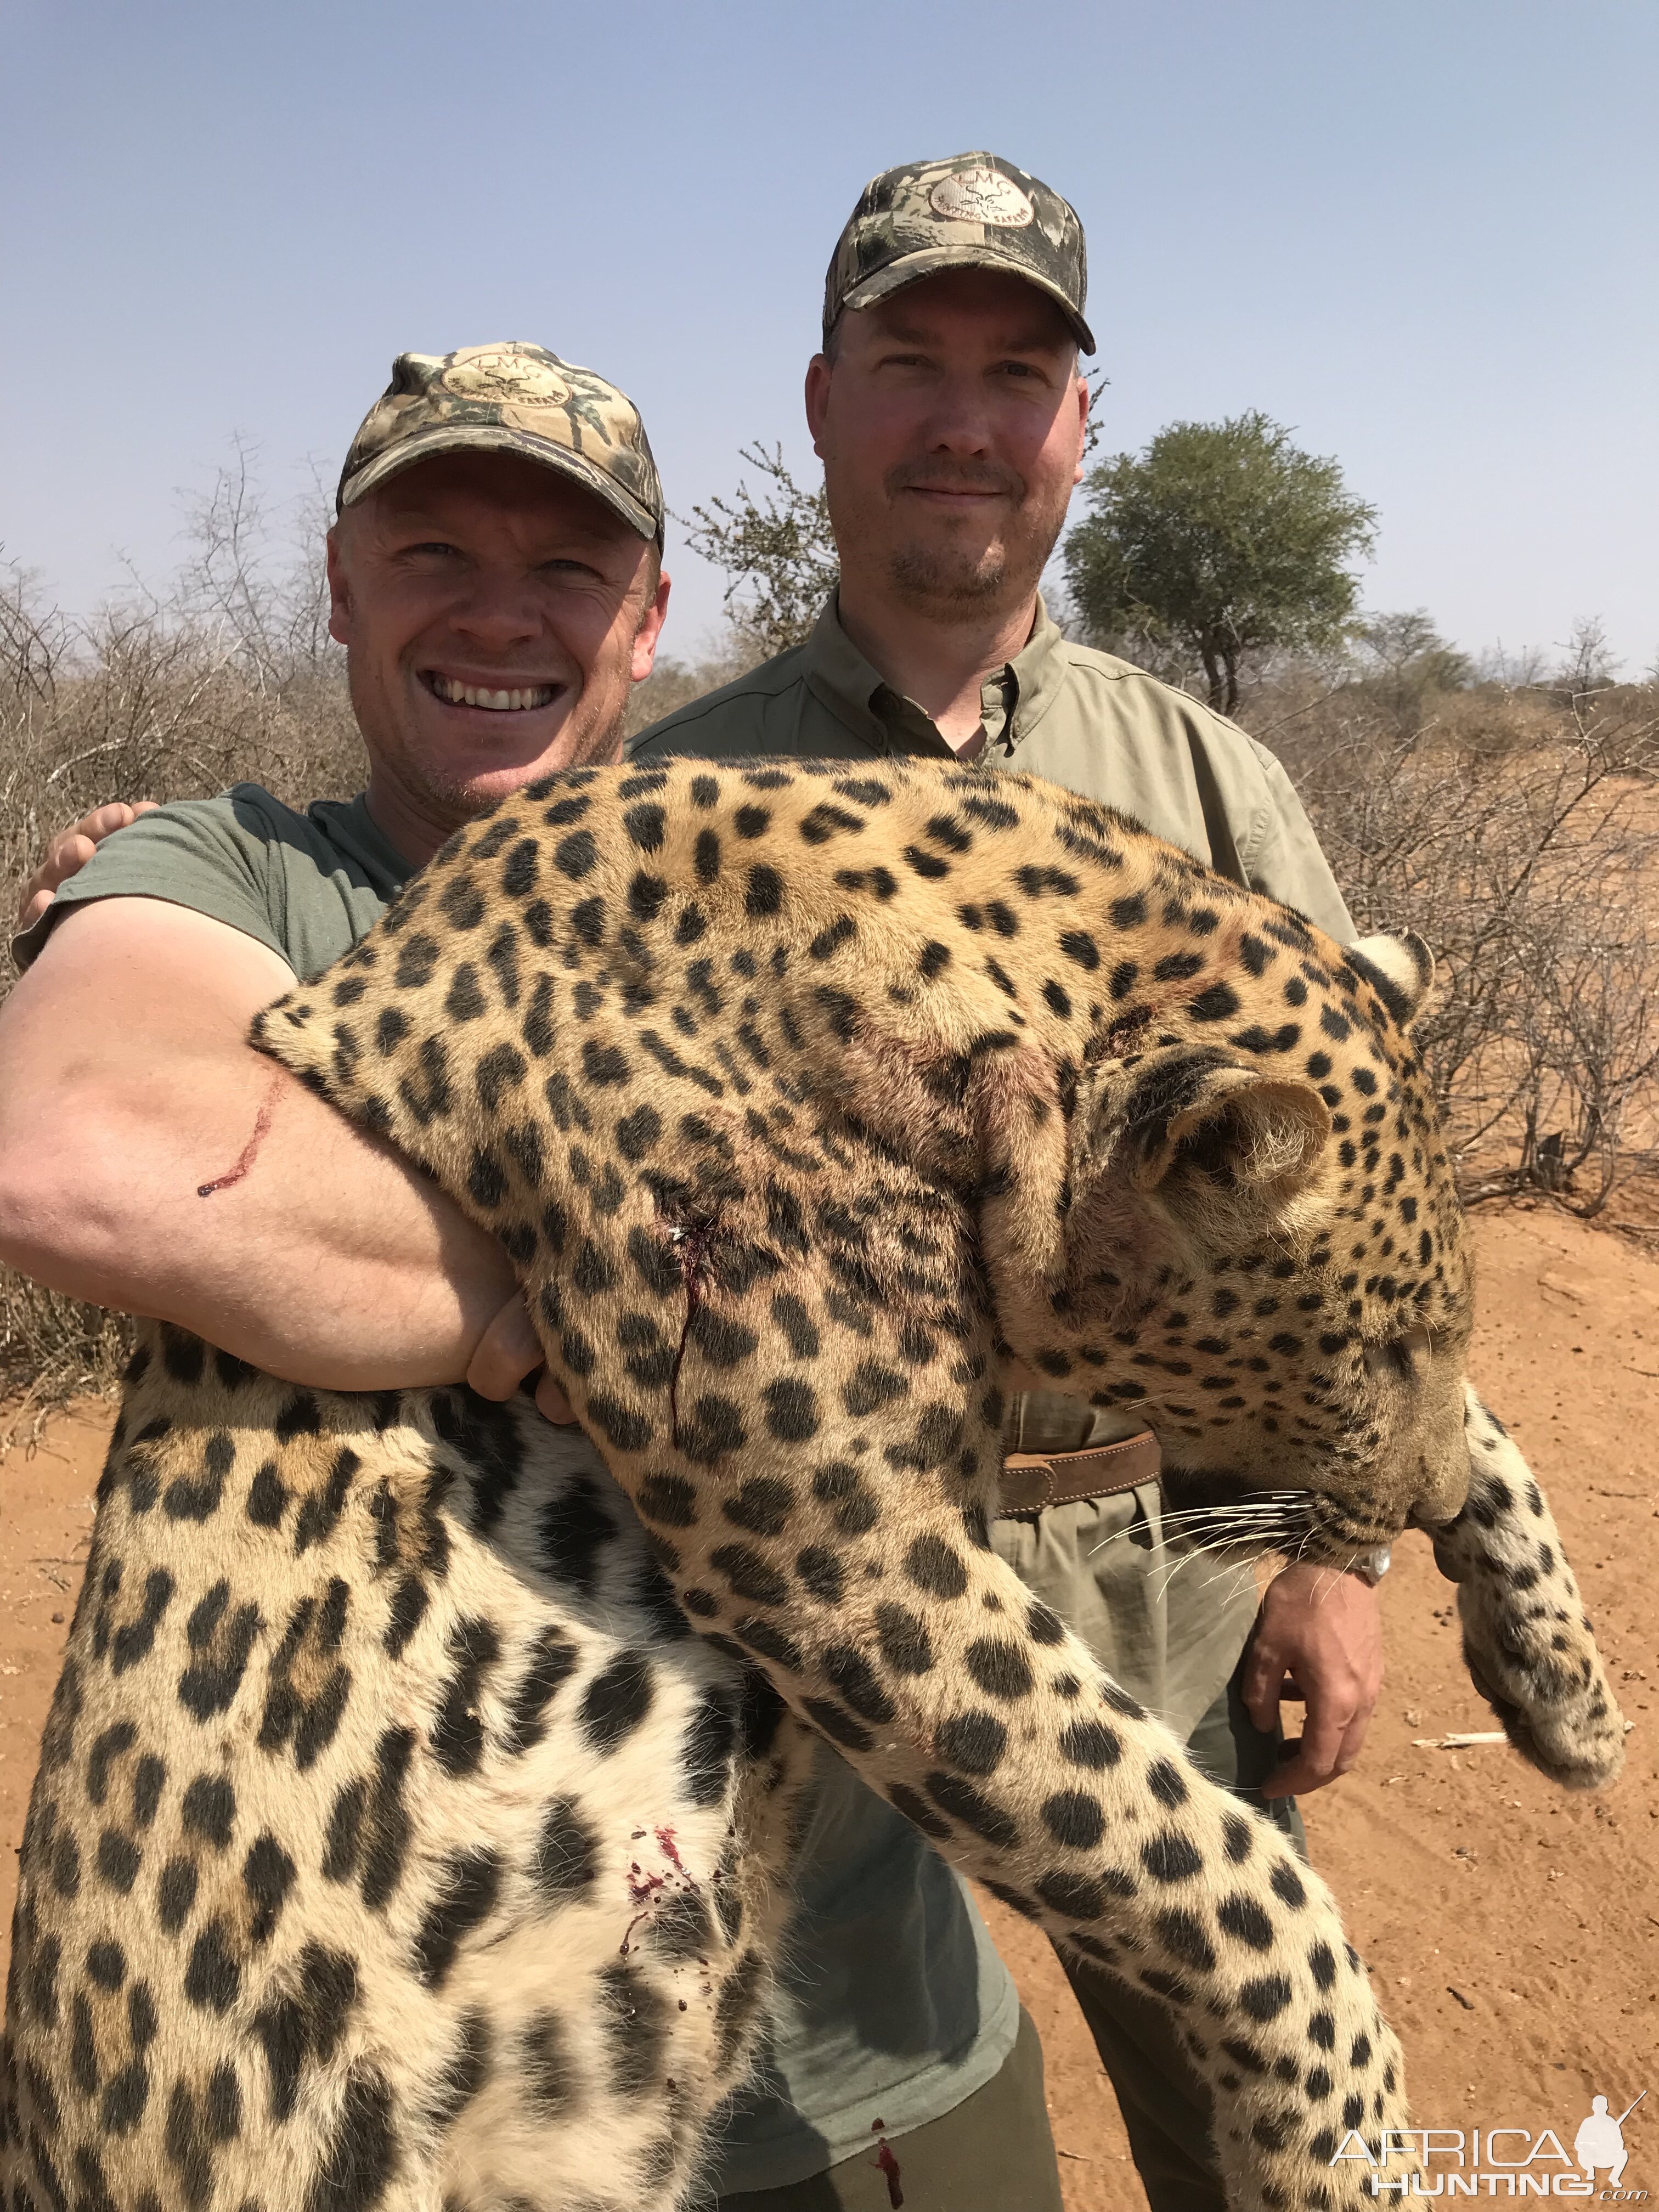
(1171, 1631)
(993, 2154)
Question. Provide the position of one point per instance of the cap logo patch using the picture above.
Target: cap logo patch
(980, 195)
(502, 378)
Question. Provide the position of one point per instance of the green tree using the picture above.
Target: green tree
(1402, 658)
(778, 552)
(1220, 541)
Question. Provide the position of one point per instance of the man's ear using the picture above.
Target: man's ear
(1399, 969)
(339, 591)
(649, 633)
(817, 398)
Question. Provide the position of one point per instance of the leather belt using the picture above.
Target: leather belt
(1034, 1480)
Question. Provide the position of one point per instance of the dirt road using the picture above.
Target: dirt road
(1513, 1929)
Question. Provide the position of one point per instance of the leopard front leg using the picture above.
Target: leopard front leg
(1528, 1641)
(889, 1626)
(823, 1512)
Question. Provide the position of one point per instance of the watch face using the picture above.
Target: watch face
(1371, 1566)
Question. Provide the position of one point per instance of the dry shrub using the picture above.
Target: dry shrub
(53, 1349)
(1519, 833)
(229, 676)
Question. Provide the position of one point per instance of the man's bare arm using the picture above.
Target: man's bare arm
(152, 1161)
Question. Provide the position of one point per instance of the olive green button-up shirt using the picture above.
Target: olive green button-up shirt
(894, 2000)
(1080, 718)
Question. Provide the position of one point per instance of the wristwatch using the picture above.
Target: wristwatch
(1371, 1566)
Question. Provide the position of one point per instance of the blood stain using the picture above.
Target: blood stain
(670, 1850)
(250, 1151)
(890, 2167)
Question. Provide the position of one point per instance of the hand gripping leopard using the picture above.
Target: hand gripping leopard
(397, 1845)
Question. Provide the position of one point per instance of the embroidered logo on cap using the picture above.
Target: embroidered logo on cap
(498, 374)
(982, 195)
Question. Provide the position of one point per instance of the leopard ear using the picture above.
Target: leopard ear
(1183, 1157)
(1399, 969)
(1235, 1135)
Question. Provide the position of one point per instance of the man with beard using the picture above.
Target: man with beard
(948, 410)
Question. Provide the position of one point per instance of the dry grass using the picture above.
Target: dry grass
(1519, 833)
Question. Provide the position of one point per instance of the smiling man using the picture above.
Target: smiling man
(948, 410)
(496, 580)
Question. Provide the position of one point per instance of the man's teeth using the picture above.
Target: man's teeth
(473, 695)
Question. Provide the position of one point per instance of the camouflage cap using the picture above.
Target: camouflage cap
(970, 210)
(510, 398)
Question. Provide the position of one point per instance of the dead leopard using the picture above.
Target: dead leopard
(396, 1846)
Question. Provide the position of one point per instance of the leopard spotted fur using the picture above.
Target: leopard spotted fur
(397, 1845)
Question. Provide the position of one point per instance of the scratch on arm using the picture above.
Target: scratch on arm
(250, 1151)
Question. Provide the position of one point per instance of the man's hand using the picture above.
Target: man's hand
(507, 1353)
(1318, 1637)
(70, 851)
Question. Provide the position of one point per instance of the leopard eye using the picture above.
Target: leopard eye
(1399, 1356)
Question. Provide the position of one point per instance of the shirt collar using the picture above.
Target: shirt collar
(1013, 698)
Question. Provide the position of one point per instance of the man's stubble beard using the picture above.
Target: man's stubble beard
(451, 801)
(459, 802)
(949, 585)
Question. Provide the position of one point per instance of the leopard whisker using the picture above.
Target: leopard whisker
(1260, 1536)
(1235, 1568)
(1236, 1572)
(1253, 1518)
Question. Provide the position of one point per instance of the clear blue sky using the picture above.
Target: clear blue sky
(1422, 232)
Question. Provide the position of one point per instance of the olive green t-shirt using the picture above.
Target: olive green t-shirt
(308, 886)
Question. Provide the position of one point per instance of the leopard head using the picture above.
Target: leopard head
(1260, 1249)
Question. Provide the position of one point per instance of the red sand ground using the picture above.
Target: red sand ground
(1513, 1929)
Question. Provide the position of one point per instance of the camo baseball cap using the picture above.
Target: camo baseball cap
(510, 398)
(970, 210)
